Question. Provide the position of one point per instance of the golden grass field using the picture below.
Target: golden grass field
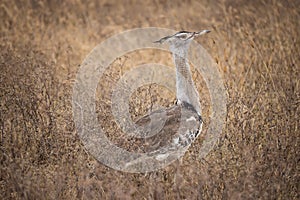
(256, 45)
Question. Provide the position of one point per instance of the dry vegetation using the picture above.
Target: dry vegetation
(256, 45)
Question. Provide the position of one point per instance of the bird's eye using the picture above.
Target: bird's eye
(183, 37)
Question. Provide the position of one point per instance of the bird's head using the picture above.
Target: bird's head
(181, 38)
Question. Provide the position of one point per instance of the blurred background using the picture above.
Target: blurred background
(256, 46)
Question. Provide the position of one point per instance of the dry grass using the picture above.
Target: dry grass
(256, 45)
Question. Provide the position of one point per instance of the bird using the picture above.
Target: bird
(186, 112)
(185, 89)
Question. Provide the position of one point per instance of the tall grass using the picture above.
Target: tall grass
(256, 45)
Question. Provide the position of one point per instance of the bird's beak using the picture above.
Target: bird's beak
(202, 32)
(195, 34)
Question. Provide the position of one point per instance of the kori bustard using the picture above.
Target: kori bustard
(187, 110)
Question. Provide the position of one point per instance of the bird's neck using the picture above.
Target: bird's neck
(181, 51)
(185, 89)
